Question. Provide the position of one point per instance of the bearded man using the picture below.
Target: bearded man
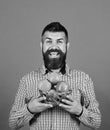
(58, 112)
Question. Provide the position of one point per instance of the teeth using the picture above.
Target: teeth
(54, 53)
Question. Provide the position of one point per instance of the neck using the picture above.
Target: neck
(56, 70)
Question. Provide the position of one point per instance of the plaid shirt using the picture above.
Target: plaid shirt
(55, 118)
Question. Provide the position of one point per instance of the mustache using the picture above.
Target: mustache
(54, 50)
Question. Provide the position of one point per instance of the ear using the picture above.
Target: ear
(41, 45)
(68, 44)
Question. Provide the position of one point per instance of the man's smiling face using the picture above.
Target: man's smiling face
(54, 48)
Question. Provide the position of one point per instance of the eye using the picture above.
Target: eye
(48, 42)
(60, 41)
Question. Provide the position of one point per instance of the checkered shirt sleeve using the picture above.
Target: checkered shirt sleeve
(19, 115)
(91, 115)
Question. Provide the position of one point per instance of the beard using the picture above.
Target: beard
(54, 63)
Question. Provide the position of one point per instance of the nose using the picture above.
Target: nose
(54, 45)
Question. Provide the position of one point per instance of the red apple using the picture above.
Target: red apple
(54, 77)
(44, 85)
(52, 93)
(62, 87)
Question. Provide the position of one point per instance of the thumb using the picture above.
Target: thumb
(41, 98)
(70, 97)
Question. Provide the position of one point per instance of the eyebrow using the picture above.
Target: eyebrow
(60, 39)
(47, 38)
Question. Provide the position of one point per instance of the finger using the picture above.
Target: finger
(47, 105)
(41, 98)
(67, 101)
(63, 106)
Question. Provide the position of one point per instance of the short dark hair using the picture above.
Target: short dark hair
(55, 27)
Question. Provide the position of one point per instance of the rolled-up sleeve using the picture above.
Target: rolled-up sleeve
(19, 114)
(91, 115)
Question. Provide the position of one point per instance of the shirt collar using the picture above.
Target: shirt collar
(43, 69)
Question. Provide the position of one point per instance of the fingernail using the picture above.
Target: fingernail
(62, 100)
(67, 96)
(60, 105)
(44, 98)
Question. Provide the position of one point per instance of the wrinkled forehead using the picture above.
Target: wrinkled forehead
(54, 35)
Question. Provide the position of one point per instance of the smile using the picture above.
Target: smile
(53, 55)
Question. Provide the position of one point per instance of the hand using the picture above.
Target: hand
(36, 105)
(71, 105)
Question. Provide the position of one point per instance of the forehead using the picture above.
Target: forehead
(54, 35)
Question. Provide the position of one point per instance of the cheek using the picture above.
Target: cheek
(44, 48)
(63, 48)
